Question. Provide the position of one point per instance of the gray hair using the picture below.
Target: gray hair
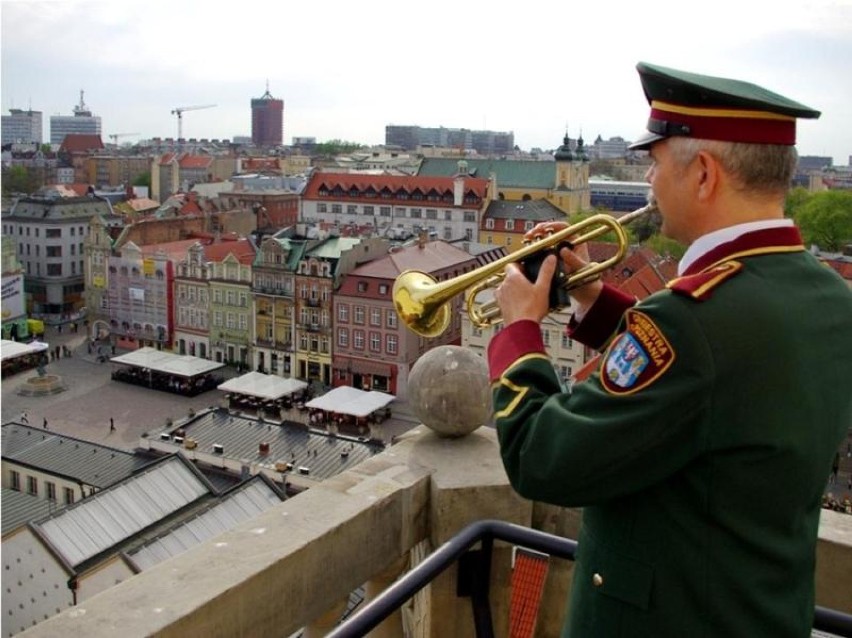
(767, 168)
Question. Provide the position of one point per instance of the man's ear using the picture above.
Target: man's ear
(708, 176)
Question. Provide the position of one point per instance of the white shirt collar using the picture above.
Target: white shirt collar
(706, 243)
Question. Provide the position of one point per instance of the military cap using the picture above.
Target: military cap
(714, 108)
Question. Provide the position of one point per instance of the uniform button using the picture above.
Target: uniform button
(597, 580)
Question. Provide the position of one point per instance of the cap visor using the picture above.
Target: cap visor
(645, 141)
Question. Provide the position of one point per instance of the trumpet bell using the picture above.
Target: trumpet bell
(416, 308)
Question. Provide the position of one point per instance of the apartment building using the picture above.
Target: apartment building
(50, 233)
(397, 206)
(273, 287)
(506, 222)
(231, 320)
(373, 349)
(321, 271)
(192, 303)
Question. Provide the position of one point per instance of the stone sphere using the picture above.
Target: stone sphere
(449, 392)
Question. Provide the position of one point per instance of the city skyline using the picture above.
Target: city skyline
(345, 72)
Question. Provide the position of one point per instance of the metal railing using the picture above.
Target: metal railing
(475, 571)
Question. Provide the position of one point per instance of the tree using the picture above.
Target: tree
(17, 179)
(825, 219)
(143, 179)
(795, 199)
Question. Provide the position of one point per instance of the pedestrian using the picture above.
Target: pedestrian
(700, 507)
(25, 418)
(44, 423)
(111, 425)
(835, 468)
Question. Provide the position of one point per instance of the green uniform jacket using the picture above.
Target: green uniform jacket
(699, 449)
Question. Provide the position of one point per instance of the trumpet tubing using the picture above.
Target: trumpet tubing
(422, 302)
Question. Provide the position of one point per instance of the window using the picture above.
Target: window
(375, 342)
(510, 224)
(359, 314)
(362, 286)
(343, 337)
(322, 208)
(390, 341)
(51, 491)
(489, 224)
(336, 208)
(567, 342)
(358, 339)
(68, 495)
(528, 225)
(352, 209)
(32, 485)
(369, 210)
(53, 251)
(385, 211)
(343, 313)
(416, 213)
(16, 480)
(448, 215)
(391, 319)
(52, 233)
(375, 316)
(469, 216)
(54, 270)
(383, 289)
(431, 213)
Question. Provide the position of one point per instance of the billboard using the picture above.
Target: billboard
(13, 302)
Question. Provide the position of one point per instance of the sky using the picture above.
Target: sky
(345, 70)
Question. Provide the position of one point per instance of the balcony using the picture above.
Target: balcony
(295, 565)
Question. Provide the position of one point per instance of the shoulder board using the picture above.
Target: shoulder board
(700, 286)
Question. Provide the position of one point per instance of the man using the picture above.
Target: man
(700, 447)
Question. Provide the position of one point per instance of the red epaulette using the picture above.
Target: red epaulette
(701, 285)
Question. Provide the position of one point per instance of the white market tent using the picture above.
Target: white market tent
(180, 365)
(11, 349)
(348, 400)
(263, 386)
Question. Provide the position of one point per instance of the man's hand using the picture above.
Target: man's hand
(573, 260)
(519, 298)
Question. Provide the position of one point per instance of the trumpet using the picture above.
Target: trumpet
(422, 302)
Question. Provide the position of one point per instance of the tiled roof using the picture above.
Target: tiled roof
(75, 143)
(528, 578)
(175, 251)
(410, 183)
(509, 173)
(432, 257)
(62, 455)
(242, 249)
(195, 161)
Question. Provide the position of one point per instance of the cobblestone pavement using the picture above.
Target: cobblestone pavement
(91, 398)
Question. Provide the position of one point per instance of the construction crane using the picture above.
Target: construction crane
(114, 136)
(178, 110)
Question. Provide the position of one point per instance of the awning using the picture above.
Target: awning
(264, 386)
(160, 361)
(348, 400)
(362, 366)
(11, 349)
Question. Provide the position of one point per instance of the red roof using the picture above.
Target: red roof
(195, 161)
(241, 249)
(528, 578)
(393, 183)
(74, 143)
